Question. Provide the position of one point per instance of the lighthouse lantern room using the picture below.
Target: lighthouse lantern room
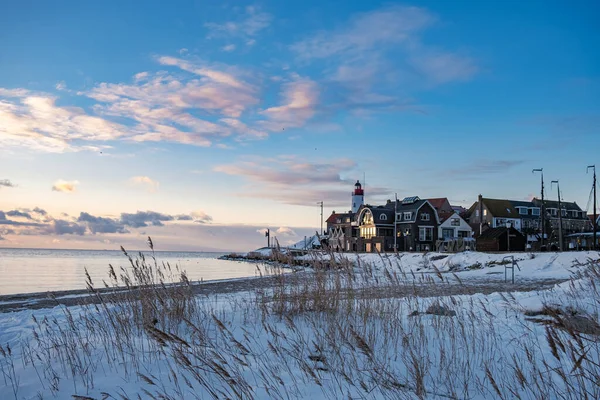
(358, 197)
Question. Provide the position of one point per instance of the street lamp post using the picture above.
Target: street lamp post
(560, 235)
(508, 225)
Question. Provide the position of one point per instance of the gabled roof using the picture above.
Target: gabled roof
(501, 208)
(440, 203)
(445, 216)
(334, 216)
(554, 204)
(377, 212)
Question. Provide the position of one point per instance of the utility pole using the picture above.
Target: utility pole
(268, 235)
(543, 211)
(321, 204)
(560, 235)
(395, 222)
(595, 222)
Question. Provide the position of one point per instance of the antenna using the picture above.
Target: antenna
(543, 208)
(595, 221)
(321, 204)
(560, 236)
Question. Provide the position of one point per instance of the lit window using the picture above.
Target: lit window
(485, 213)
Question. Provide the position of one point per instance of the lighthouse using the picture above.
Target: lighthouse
(358, 197)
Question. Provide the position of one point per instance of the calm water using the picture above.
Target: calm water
(36, 270)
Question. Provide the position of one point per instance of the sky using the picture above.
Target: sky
(203, 123)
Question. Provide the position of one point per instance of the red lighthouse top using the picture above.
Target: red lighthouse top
(358, 191)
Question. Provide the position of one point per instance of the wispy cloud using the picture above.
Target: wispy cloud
(6, 183)
(228, 48)
(378, 54)
(288, 180)
(65, 186)
(299, 103)
(248, 24)
(145, 181)
(481, 169)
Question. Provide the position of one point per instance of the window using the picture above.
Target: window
(407, 216)
(368, 232)
(447, 233)
(523, 210)
(464, 234)
(383, 217)
(455, 222)
(553, 211)
(535, 211)
(425, 233)
(398, 217)
(477, 213)
(485, 213)
(563, 212)
(347, 219)
(338, 221)
(424, 217)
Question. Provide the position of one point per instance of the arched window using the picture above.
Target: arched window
(383, 217)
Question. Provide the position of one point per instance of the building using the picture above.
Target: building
(526, 217)
(497, 239)
(416, 224)
(376, 229)
(342, 228)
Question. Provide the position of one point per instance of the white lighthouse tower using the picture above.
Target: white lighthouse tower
(358, 197)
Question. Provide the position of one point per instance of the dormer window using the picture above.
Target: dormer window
(407, 216)
(383, 217)
(523, 211)
(535, 211)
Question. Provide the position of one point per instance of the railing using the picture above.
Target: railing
(510, 266)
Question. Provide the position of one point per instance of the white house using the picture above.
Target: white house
(452, 226)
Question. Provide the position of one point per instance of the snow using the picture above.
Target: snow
(368, 348)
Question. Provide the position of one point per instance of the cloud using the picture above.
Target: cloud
(6, 183)
(64, 186)
(376, 57)
(150, 184)
(201, 217)
(35, 121)
(288, 180)
(40, 211)
(17, 213)
(299, 105)
(285, 231)
(145, 218)
(366, 32)
(63, 227)
(228, 48)
(248, 24)
(482, 169)
(101, 224)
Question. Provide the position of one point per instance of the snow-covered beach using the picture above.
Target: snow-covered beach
(405, 325)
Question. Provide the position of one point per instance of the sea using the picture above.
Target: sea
(43, 270)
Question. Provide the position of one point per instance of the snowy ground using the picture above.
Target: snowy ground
(362, 331)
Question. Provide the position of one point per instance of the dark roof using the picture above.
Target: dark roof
(554, 204)
(444, 216)
(377, 212)
(440, 203)
(494, 233)
(334, 216)
(501, 208)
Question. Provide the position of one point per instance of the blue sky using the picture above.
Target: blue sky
(203, 123)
